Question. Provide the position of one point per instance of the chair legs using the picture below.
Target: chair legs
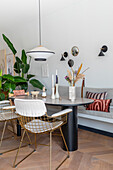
(5, 123)
(50, 150)
(64, 141)
(14, 164)
(66, 149)
(50, 163)
(3, 133)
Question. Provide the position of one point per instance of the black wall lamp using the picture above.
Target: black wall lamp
(74, 52)
(64, 55)
(103, 50)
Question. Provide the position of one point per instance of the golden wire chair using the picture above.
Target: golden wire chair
(34, 119)
(7, 113)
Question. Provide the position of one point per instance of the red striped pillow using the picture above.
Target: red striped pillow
(19, 92)
(92, 95)
(100, 105)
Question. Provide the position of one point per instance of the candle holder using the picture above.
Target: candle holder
(57, 93)
(53, 94)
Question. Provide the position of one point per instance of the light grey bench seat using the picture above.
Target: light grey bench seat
(82, 109)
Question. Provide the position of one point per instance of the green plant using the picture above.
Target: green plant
(21, 67)
(8, 83)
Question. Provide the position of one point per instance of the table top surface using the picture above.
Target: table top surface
(63, 101)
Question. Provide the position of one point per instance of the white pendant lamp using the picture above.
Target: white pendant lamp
(40, 53)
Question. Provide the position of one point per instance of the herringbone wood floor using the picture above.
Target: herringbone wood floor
(95, 153)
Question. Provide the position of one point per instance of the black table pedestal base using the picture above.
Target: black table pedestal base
(18, 129)
(70, 130)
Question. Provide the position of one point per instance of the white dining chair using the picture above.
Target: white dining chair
(34, 119)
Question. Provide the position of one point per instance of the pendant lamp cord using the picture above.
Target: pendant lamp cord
(39, 24)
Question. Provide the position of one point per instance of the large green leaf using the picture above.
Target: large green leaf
(24, 86)
(24, 57)
(1, 72)
(17, 67)
(30, 76)
(8, 77)
(2, 96)
(8, 86)
(19, 79)
(36, 83)
(0, 82)
(25, 68)
(10, 45)
(18, 60)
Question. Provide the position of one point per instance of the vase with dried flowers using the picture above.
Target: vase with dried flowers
(73, 77)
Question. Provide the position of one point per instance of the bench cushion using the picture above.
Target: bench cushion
(82, 109)
(100, 105)
(93, 95)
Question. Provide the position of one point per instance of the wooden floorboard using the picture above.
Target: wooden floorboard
(95, 152)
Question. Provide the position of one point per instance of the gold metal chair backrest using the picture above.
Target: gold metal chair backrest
(33, 116)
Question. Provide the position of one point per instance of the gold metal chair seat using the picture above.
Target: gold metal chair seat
(8, 116)
(39, 126)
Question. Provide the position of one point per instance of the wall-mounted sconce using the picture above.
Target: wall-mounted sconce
(64, 55)
(103, 50)
(74, 52)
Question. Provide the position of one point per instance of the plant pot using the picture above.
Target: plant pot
(72, 93)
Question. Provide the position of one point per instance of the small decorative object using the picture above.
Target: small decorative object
(53, 88)
(34, 94)
(103, 50)
(72, 93)
(70, 63)
(64, 55)
(72, 77)
(74, 51)
(57, 93)
(56, 87)
(44, 93)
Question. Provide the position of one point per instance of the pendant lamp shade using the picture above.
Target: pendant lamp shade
(40, 53)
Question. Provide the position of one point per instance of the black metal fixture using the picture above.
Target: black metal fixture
(64, 55)
(74, 52)
(103, 50)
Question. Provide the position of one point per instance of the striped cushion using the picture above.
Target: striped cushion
(96, 95)
(19, 92)
(100, 105)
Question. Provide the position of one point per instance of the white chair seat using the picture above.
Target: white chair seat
(4, 102)
(39, 126)
(8, 116)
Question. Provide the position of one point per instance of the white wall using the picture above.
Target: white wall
(87, 24)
